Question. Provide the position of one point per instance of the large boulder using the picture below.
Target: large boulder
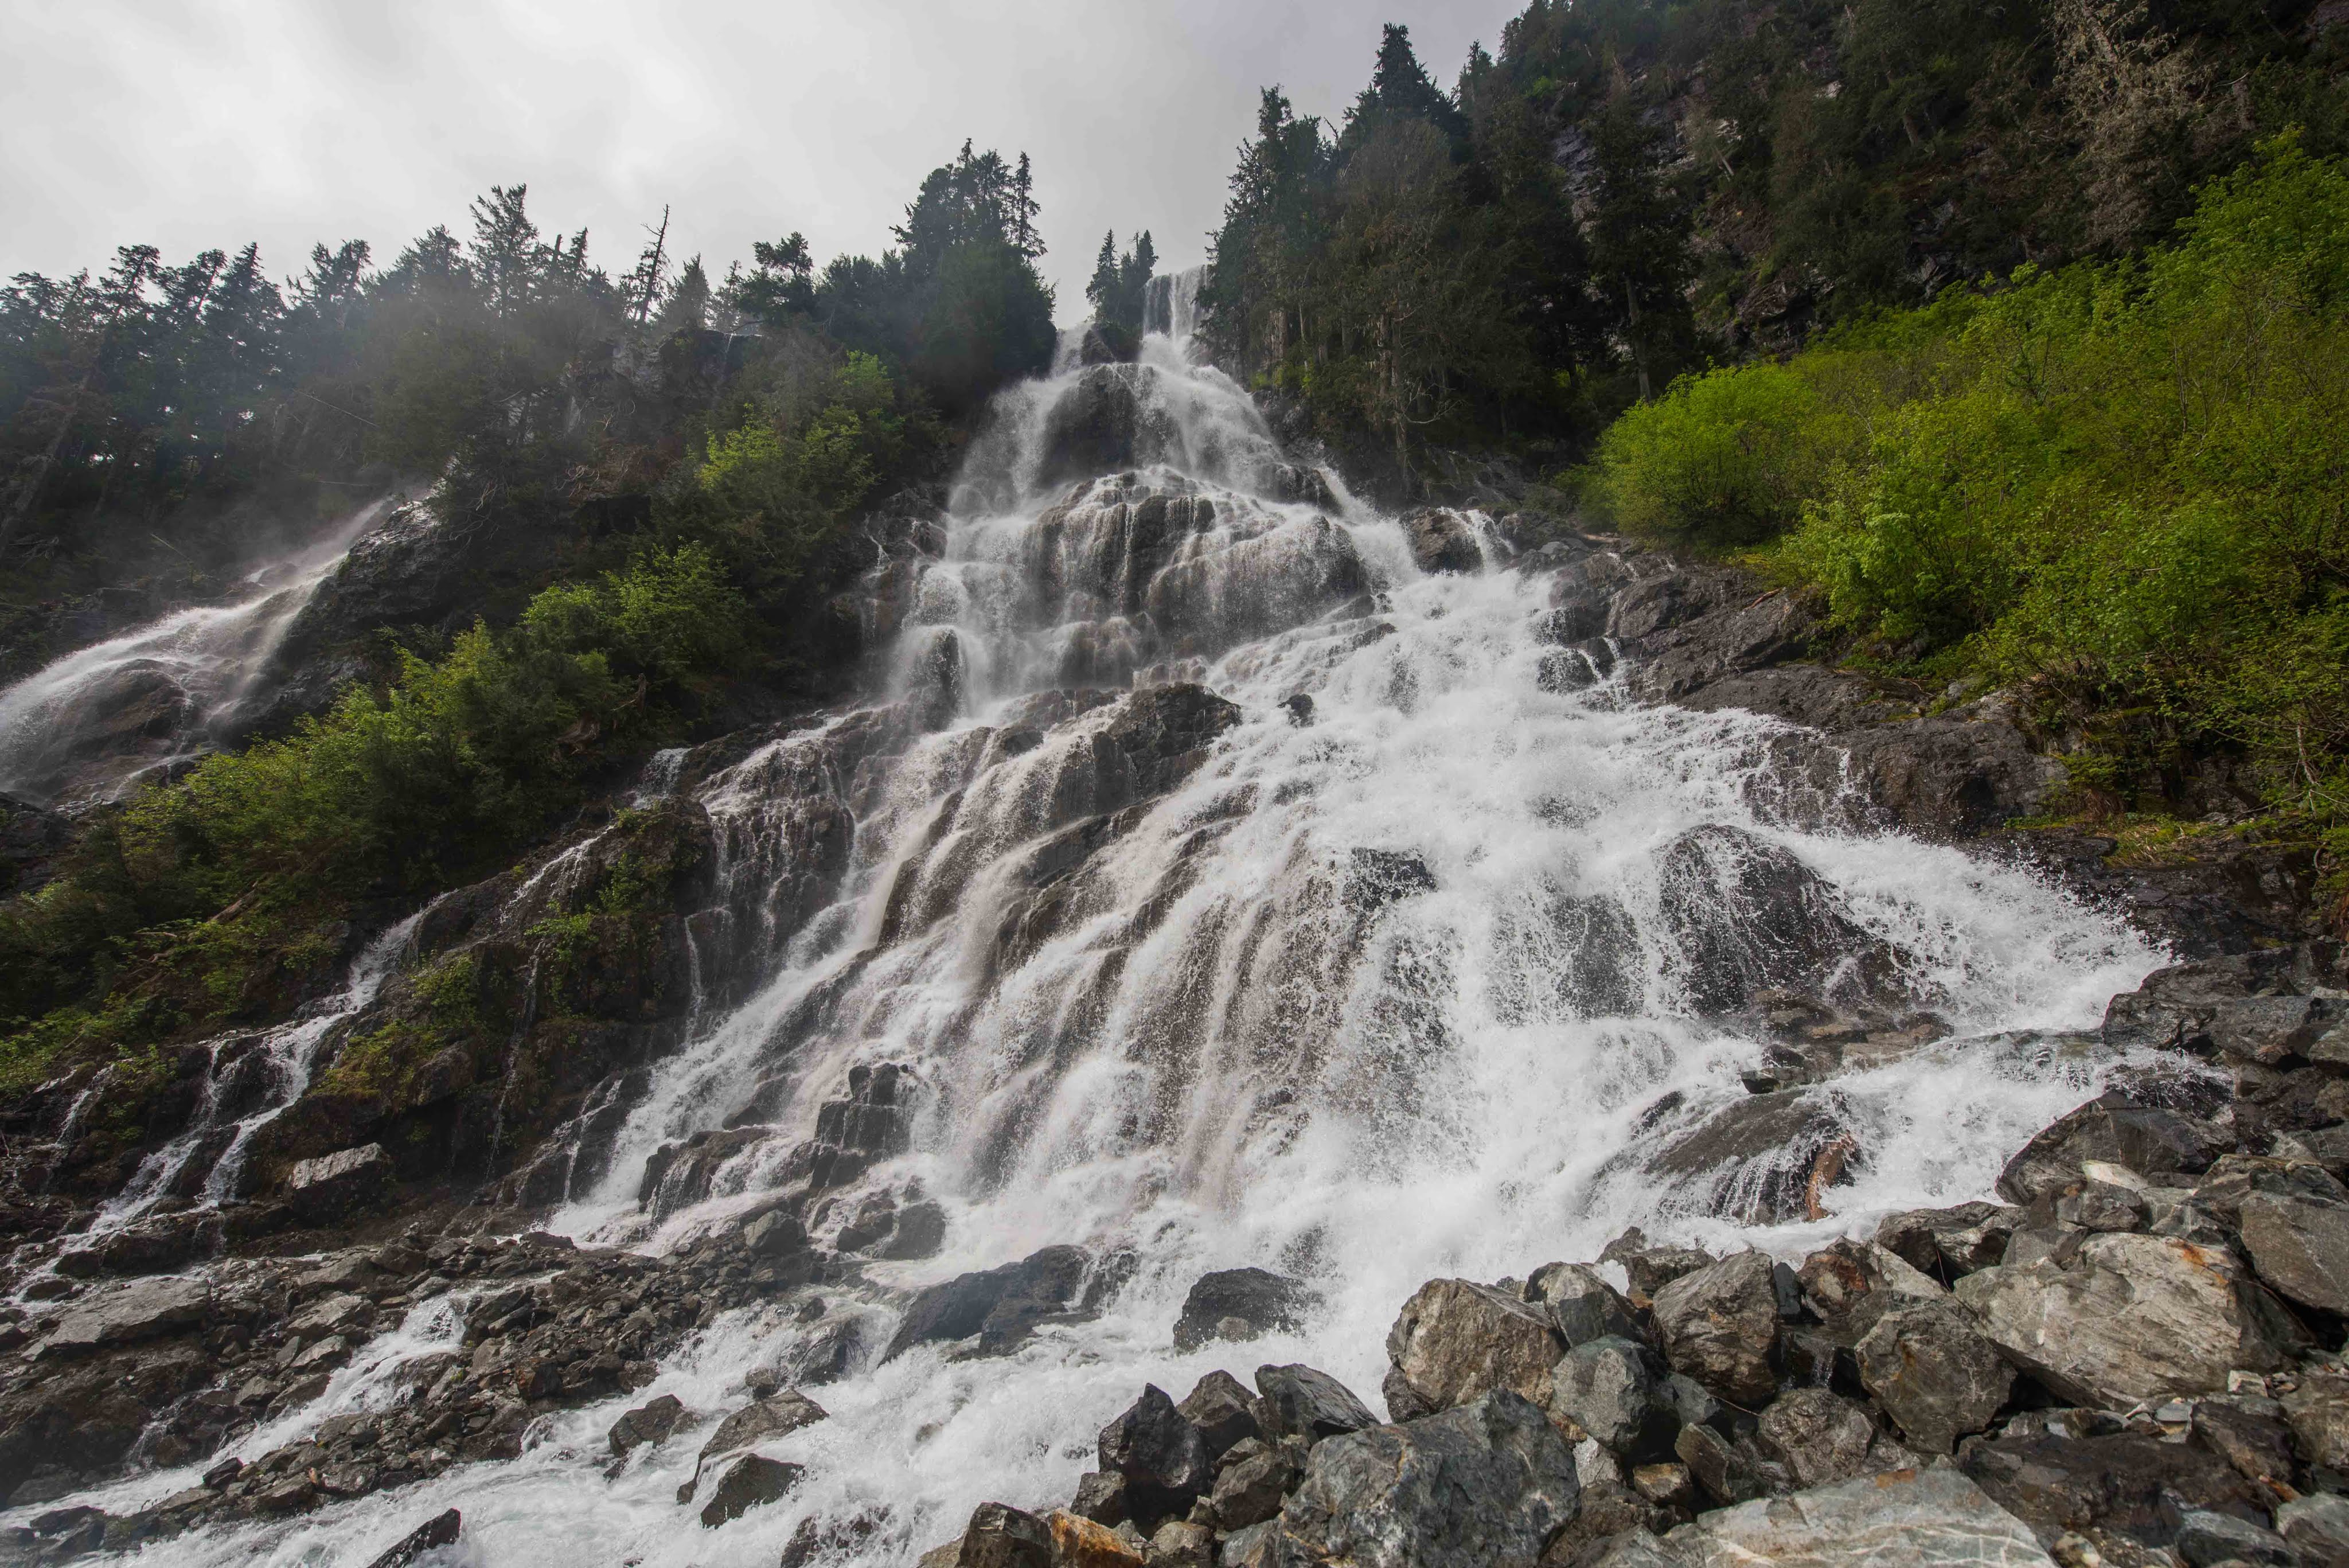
(1441, 541)
(1928, 1364)
(1760, 1159)
(1223, 1410)
(1821, 1437)
(751, 1482)
(1906, 1519)
(1001, 1536)
(1001, 1305)
(1748, 916)
(1949, 1242)
(1241, 1304)
(1162, 1457)
(1581, 1305)
(1719, 1324)
(144, 1309)
(336, 1184)
(1484, 1485)
(2130, 1318)
(2111, 1128)
(1302, 1402)
(1455, 1340)
(1619, 1392)
(2123, 1492)
(2293, 1220)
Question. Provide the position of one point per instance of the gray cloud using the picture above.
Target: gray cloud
(208, 123)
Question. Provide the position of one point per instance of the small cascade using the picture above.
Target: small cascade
(94, 724)
(249, 1080)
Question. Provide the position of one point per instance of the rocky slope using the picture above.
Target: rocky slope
(197, 1249)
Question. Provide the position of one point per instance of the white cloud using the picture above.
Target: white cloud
(207, 124)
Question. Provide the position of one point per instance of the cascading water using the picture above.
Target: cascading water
(1221, 889)
(91, 725)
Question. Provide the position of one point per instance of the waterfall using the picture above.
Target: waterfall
(1217, 888)
(1171, 304)
(94, 724)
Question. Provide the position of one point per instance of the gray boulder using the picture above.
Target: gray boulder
(2316, 1526)
(1484, 1485)
(1241, 1304)
(1250, 1488)
(1442, 541)
(2274, 1030)
(1001, 1305)
(2293, 1220)
(1928, 1364)
(1728, 1471)
(1162, 1457)
(1718, 1325)
(1842, 1277)
(2207, 1538)
(1949, 1242)
(1907, 1519)
(1582, 1307)
(2147, 1139)
(751, 1482)
(1651, 1269)
(143, 1309)
(761, 1421)
(2130, 1318)
(1455, 1340)
(1821, 1437)
(441, 1530)
(1001, 1536)
(334, 1186)
(1223, 1410)
(1299, 1402)
(1616, 1390)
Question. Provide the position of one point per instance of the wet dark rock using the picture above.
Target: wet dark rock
(2173, 1009)
(1299, 1401)
(1762, 1159)
(1442, 541)
(1002, 1305)
(2114, 1128)
(1299, 707)
(651, 1422)
(1719, 1324)
(32, 838)
(1748, 916)
(1771, 629)
(1483, 1486)
(1221, 1406)
(2274, 1030)
(758, 1422)
(751, 1482)
(2122, 1491)
(1928, 1364)
(1100, 1497)
(148, 1247)
(1241, 1304)
(1164, 1457)
(1947, 1244)
(442, 1529)
(2249, 1432)
(1617, 1391)
(1728, 1471)
(127, 1313)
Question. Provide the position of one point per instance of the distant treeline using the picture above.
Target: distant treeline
(160, 411)
(1631, 189)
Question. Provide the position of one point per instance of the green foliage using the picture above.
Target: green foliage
(2115, 483)
(216, 897)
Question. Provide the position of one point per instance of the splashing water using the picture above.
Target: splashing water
(1392, 984)
(94, 724)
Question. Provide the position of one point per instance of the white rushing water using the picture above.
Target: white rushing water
(1391, 994)
(93, 724)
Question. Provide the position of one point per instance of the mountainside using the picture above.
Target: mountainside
(704, 919)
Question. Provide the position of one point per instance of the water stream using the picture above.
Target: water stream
(1402, 990)
(94, 724)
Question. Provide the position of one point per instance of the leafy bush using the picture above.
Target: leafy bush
(2116, 484)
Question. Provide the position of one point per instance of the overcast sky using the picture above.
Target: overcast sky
(199, 124)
